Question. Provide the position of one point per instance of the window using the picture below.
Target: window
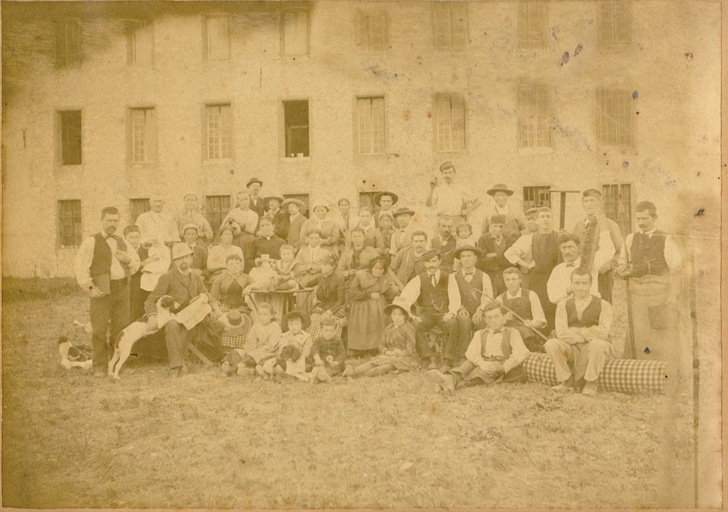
(216, 37)
(137, 207)
(614, 23)
(140, 43)
(300, 197)
(531, 25)
(367, 199)
(534, 109)
(370, 125)
(216, 208)
(295, 115)
(371, 30)
(69, 223)
(450, 21)
(142, 135)
(218, 126)
(534, 197)
(449, 122)
(618, 205)
(614, 117)
(68, 44)
(69, 126)
(294, 33)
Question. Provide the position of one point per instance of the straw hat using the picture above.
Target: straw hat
(378, 198)
(477, 251)
(500, 187)
(181, 250)
(305, 319)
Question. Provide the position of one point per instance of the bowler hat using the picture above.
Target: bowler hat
(181, 250)
(500, 187)
(402, 211)
(378, 198)
(305, 319)
(253, 180)
(459, 250)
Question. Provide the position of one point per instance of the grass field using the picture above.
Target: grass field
(149, 440)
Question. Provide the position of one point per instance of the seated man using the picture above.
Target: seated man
(407, 263)
(496, 353)
(524, 303)
(438, 301)
(190, 234)
(582, 328)
(185, 286)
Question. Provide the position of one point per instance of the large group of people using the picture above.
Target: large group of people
(466, 295)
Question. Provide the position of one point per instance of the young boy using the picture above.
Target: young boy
(496, 353)
(262, 345)
(137, 296)
(527, 305)
(328, 353)
(286, 269)
(267, 242)
(309, 270)
(465, 236)
(295, 347)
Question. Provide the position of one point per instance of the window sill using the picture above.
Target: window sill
(296, 159)
(540, 150)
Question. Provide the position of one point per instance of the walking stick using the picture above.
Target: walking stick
(511, 312)
(632, 347)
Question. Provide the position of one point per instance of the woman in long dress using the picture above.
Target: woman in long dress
(369, 292)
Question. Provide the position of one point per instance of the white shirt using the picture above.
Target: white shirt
(411, 293)
(522, 249)
(157, 225)
(536, 308)
(672, 251)
(573, 335)
(560, 280)
(85, 255)
(447, 199)
(493, 348)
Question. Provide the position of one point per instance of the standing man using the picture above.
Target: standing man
(650, 263)
(190, 215)
(346, 221)
(185, 287)
(583, 322)
(408, 263)
(445, 243)
(531, 222)
(450, 199)
(493, 246)
(402, 236)
(257, 203)
(103, 265)
(559, 283)
(515, 221)
(437, 298)
(597, 231)
(384, 201)
(536, 256)
(474, 286)
(156, 224)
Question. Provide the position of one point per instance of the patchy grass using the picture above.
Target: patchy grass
(70, 440)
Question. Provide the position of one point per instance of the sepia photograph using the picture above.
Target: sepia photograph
(341, 254)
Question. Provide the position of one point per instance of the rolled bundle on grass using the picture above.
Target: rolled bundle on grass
(629, 376)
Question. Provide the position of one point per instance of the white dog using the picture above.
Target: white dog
(135, 331)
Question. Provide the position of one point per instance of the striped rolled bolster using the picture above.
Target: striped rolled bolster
(622, 375)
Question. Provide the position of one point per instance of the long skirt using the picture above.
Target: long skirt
(366, 324)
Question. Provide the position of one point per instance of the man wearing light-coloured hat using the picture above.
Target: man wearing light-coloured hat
(190, 215)
(515, 220)
(185, 286)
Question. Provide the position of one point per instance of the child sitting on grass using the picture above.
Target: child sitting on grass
(262, 345)
(295, 347)
(328, 353)
(285, 269)
(396, 350)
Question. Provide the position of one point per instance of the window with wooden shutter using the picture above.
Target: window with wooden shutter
(137, 206)
(216, 37)
(140, 43)
(536, 196)
(449, 122)
(534, 110)
(450, 24)
(372, 30)
(216, 208)
(294, 28)
(68, 44)
(70, 137)
(614, 23)
(531, 25)
(614, 118)
(370, 125)
(69, 223)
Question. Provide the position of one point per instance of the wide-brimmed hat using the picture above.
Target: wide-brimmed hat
(402, 211)
(181, 250)
(253, 180)
(190, 226)
(500, 187)
(378, 198)
(430, 254)
(268, 198)
(301, 205)
(459, 250)
(305, 319)
(396, 305)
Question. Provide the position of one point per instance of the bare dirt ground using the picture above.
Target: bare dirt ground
(70, 440)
